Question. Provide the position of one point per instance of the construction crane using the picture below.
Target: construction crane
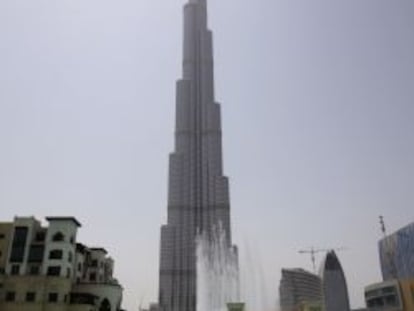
(382, 223)
(313, 251)
(389, 250)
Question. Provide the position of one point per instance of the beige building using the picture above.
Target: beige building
(391, 295)
(46, 269)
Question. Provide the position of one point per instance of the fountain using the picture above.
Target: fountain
(217, 272)
(223, 282)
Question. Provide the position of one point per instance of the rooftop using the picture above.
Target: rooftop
(73, 219)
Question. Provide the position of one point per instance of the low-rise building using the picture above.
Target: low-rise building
(391, 295)
(46, 269)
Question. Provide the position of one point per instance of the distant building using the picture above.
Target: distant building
(44, 268)
(311, 306)
(335, 291)
(299, 290)
(397, 254)
(391, 295)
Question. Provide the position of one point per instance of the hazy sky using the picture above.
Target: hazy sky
(318, 111)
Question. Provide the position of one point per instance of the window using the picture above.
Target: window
(40, 236)
(72, 239)
(92, 277)
(36, 253)
(18, 244)
(79, 267)
(30, 296)
(68, 273)
(53, 271)
(53, 297)
(58, 237)
(70, 257)
(56, 254)
(94, 263)
(391, 300)
(2, 236)
(105, 305)
(15, 270)
(34, 270)
(10, 296)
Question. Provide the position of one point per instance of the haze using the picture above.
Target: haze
(317, 100)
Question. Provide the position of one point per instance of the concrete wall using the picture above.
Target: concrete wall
(39, 285)
(68, 246)
(111, 292)
(5, 240)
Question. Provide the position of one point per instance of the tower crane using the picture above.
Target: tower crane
(389, 250)
(313, 251)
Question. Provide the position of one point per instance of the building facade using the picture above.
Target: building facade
(45, 268)
(397, 254)
(198, 193)
(390, 295)
(299, 290)
(334, 286)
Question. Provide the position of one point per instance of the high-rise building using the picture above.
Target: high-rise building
(198, 194)
(334, 287)
(397, 254)
(299, 288)
(45, 268)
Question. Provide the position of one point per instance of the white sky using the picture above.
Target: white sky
(317, 114)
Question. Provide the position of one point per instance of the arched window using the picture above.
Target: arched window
(58, 237)
(56, 254)
(105, 305)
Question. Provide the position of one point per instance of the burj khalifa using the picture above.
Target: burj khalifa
(198, 192)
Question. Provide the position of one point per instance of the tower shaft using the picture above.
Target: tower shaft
(198, 193)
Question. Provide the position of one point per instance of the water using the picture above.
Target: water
(221, 280)
(217, 273)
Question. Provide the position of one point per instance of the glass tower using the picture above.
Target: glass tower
(397, 254)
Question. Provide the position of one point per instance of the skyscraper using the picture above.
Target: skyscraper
(334, 287)
(397, 254)
(198, 196)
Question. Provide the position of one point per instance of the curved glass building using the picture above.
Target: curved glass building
(335, 291)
